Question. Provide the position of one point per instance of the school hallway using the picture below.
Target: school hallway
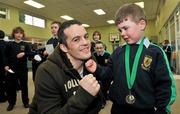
(19, 109)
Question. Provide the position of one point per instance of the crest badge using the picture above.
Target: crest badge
(22, 48)
(147, 62)
(106, 61)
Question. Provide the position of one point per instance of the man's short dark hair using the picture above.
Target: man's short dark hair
(2, 34)
(61, 35)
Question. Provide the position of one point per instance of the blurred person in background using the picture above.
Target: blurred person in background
(102, 57)
(3, 96)
(54, 39)
(167, 49)
(96, 37)
(16, 54)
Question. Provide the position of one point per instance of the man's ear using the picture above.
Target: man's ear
(63, 48)
(142, 24)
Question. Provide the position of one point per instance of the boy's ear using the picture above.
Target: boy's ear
(142, 24)
(63, 48)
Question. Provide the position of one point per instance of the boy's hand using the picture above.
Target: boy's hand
(45, 53)
(6, 68)
(91, 65)
(90, 84)
(20, 55)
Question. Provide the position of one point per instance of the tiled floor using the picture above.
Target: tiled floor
(19, 109)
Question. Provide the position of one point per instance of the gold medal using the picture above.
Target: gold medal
(131, 75)
(130, 99)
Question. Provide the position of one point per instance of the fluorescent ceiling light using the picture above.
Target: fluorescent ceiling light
(34, 4)
(66, 17)
(141, 4)
(110, 21)
(99, 12)
(85, 25)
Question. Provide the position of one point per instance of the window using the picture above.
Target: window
(4, 13)
(31, 20)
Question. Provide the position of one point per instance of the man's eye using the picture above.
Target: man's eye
(86, 37)
(75, 40)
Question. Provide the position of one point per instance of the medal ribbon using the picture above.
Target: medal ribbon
(131, 77)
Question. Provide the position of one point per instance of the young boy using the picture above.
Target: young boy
(96, 37)
(142, 80)
(54, 30)
(16, 54)
(54, 39)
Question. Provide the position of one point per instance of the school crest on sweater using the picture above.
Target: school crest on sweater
(146, 65)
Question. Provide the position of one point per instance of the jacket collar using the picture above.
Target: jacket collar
(146, 42)
(59, 58)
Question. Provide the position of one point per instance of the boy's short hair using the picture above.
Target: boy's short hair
(133, 11)
(61, 35)
(99, 42)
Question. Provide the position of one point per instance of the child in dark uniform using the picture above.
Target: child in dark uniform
(16, 54)
(142, 80)
(3, 96)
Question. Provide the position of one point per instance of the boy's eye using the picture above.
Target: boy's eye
(125, 28)
(120, 30)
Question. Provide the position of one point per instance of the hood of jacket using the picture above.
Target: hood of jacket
(60, 58)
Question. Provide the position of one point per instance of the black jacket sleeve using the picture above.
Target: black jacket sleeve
(165, 92)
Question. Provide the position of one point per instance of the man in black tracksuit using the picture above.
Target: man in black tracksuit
(142, 80)
(63, 86)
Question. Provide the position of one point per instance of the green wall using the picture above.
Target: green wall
(152, 29)
(165, 12)
(31, 31)
(163, 17)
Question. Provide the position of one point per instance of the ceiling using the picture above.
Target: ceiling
(82, 10)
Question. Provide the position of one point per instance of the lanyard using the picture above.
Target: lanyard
(131, 77)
